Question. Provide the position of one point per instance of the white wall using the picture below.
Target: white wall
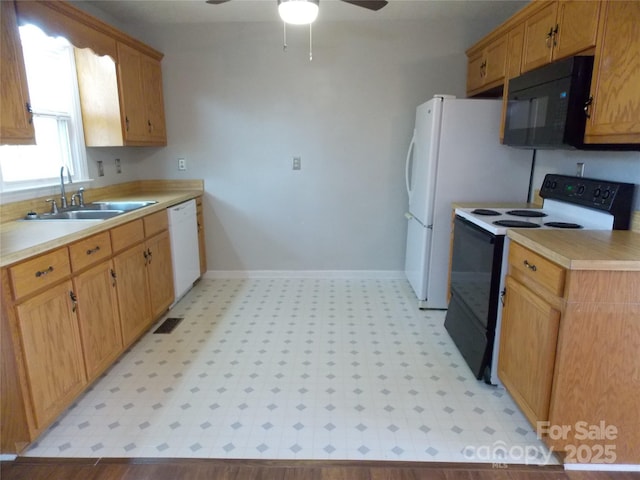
(238, 109)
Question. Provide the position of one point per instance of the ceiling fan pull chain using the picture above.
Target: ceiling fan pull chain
(310, 44)
(284, 41)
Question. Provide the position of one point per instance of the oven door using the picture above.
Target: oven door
(475, 285)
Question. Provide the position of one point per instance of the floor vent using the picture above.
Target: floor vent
(168, 325)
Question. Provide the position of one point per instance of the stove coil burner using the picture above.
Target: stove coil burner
(516, 224)
(486, 212)
(527, 213)
(562, 225)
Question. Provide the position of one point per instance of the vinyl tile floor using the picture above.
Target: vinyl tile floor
(296, 369)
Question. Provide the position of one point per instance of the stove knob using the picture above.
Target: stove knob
(581, 189)
(606, 194)
(597, 192)
(554, 184)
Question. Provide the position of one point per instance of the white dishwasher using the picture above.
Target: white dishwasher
(183, 232)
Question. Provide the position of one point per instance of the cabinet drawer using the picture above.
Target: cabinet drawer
(536, 268)
(126, 235)
(155, 223)
(43, 271)
(90, 251)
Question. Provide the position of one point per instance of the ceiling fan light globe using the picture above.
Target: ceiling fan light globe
(298, 12)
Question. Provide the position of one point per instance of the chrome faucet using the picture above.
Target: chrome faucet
(63, 195)
(77, 199)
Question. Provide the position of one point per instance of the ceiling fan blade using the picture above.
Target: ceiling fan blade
(217, 2)
(369, 4)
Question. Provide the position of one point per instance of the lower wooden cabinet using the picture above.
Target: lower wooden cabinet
(528, 349)
(98, 318)
(133, 292)
(202, 248)
(159, 273)
(69, 313)
(51, 351)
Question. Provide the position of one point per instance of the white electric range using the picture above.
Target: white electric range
(480, 255)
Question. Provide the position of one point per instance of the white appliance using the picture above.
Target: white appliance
(183, 232)
(454, 156)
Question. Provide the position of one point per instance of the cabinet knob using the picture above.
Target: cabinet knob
(74, 301)
(30, 112)
(93, 250)
(530, 266)
(587, 107)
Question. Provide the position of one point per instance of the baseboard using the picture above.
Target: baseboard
(320, 274)
(602, 467)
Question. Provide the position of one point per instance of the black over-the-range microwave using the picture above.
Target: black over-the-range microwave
(548, 107)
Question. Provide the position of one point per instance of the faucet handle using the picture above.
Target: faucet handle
(54, 206)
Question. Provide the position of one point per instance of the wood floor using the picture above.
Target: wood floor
(176, 469)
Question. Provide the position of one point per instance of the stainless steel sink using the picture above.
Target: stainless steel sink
(81, 215)
(125, 206)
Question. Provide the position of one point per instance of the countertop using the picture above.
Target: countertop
(584, 249)
(21, 239)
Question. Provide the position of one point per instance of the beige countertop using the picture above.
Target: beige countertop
(584, 249)
(21, 239)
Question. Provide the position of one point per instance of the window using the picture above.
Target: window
(53, 90)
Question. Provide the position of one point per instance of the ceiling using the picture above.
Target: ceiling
(197, 11)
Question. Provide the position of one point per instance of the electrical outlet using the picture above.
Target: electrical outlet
(182, 164)
(297, 163)
(118, 166)
(100, 168)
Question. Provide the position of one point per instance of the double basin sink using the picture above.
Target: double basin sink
(93, 211)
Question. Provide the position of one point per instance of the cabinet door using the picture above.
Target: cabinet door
(160, 273)
(615, 112)
(16, 125)
(577, 27)
(201, 239)
(527, 349)
(133, 292)
(131, 94)
(98, 317)
(154, 100)
(538, 37)
(496, 57)
(51, 351)
(475, 71)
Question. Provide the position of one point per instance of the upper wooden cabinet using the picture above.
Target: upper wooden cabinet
(119, 78)
(615, 85)
(141, 98)
(487, 63)
(559, 29)
(16, 125)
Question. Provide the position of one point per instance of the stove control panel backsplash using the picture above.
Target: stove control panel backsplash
(613, 197)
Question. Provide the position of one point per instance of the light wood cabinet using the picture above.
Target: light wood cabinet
(159, 273)
(486, 65)
(527, 349)
(559, 29)
(51, 351)
(119, 78)
(133, 292)
(141, 97)
(568, 352)
(615, 110)
(202, 247)
(16, 125)
(144, 273)
(98, 318)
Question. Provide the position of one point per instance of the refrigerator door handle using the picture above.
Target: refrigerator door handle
(407, 169)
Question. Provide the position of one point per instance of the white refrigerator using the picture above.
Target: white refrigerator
(454, 156)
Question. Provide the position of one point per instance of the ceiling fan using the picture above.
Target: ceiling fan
(368, 4)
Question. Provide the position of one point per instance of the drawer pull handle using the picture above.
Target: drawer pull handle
(44, 272)
(74, 301)
(93, 250)
(530, 266)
